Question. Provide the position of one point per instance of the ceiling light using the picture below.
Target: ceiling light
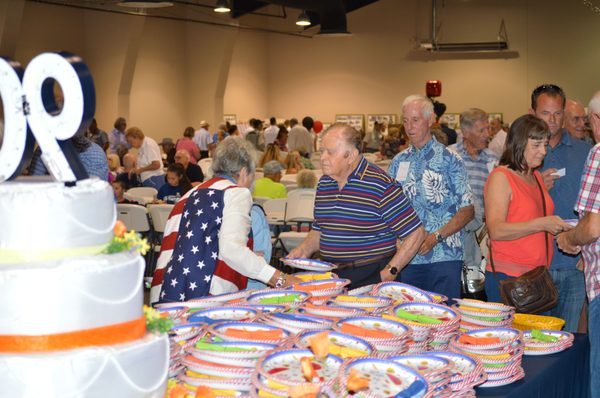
(145, 4)
(303, 19)
(222, 6)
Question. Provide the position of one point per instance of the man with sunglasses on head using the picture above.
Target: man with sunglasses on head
(562, 169)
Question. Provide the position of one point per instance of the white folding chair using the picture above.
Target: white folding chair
(301, 203)
(159, 215)
(275, 211)
(260, 200)
(141, 195)
(205, 166)
(135, 217)
(291, 187)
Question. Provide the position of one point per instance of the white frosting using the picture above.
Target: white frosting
(41, 221)
(70, 294)
(40, 215)
(134, 370)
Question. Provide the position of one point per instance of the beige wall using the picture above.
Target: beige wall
(164, 75)
(375, 69)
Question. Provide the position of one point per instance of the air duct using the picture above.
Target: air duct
(492, 46)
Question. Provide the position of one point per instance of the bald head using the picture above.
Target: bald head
(182, 157)
(575, 119)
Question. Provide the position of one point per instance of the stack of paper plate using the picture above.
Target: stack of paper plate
(290, 298)
(174, 311)
(550, 342)
(476, 314)
(382, 378)
(389, 337)
(436, 370)
(322, 289)
(500, 350)
(401, 292)
(467, 372)
(181, 338)
(220, 314)
(224, 365)
(282, 369)
(372, 304)
(359, 291)
(342, 345)
(308, 276)
(438, 320)
(333, 312)
(295, 322)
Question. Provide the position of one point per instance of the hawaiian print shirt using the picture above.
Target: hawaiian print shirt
(435, 180)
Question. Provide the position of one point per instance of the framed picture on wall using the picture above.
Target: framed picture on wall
(355, 120)
(453, 120)
(387, 118)
(231, 118)
(494, 115)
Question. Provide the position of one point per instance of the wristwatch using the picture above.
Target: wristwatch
(393, 270)
(280, 281)
(438, 237)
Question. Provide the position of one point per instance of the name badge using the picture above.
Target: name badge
(402, 172)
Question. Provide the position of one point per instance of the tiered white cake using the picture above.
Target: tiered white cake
(71, 323)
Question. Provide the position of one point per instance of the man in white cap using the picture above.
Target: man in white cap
(203, 139)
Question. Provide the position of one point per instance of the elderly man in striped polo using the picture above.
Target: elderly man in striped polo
(479, 161)
(363, 221)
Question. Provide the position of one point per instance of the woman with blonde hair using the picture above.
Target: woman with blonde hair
(306, 179)
(272, 152)
(293, 163)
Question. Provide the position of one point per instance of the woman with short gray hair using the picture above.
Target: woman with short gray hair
(231, 156)
(205, 249)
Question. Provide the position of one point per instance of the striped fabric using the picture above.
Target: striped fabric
(478, 170)
(365, 218)
(589, 201)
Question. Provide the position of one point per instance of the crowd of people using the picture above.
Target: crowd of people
(533, 187)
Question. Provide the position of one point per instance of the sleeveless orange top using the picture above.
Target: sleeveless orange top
(515, 257)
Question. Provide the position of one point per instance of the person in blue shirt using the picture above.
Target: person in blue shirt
(562, 169)
(435, 181)
(177, 184)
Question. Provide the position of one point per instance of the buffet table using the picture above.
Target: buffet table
(565, 374)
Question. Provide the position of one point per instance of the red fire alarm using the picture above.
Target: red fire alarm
(433, 88)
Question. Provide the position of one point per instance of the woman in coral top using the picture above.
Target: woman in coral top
(514, 209)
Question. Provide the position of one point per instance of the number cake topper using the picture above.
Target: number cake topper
(32, 114)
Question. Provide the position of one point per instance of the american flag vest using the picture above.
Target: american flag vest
(189, 266)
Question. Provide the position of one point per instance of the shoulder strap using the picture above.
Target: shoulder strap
(545, 214)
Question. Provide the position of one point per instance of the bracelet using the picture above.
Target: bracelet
(280, 281)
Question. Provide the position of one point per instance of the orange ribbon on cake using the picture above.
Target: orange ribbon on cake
(101, 336)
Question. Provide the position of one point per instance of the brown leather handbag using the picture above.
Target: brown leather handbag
(533, 292)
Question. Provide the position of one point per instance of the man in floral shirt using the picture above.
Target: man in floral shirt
(436, 182)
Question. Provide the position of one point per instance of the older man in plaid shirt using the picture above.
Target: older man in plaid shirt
(585, 237)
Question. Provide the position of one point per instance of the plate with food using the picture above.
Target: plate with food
(309, 264)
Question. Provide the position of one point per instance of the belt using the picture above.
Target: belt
(363, 262)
